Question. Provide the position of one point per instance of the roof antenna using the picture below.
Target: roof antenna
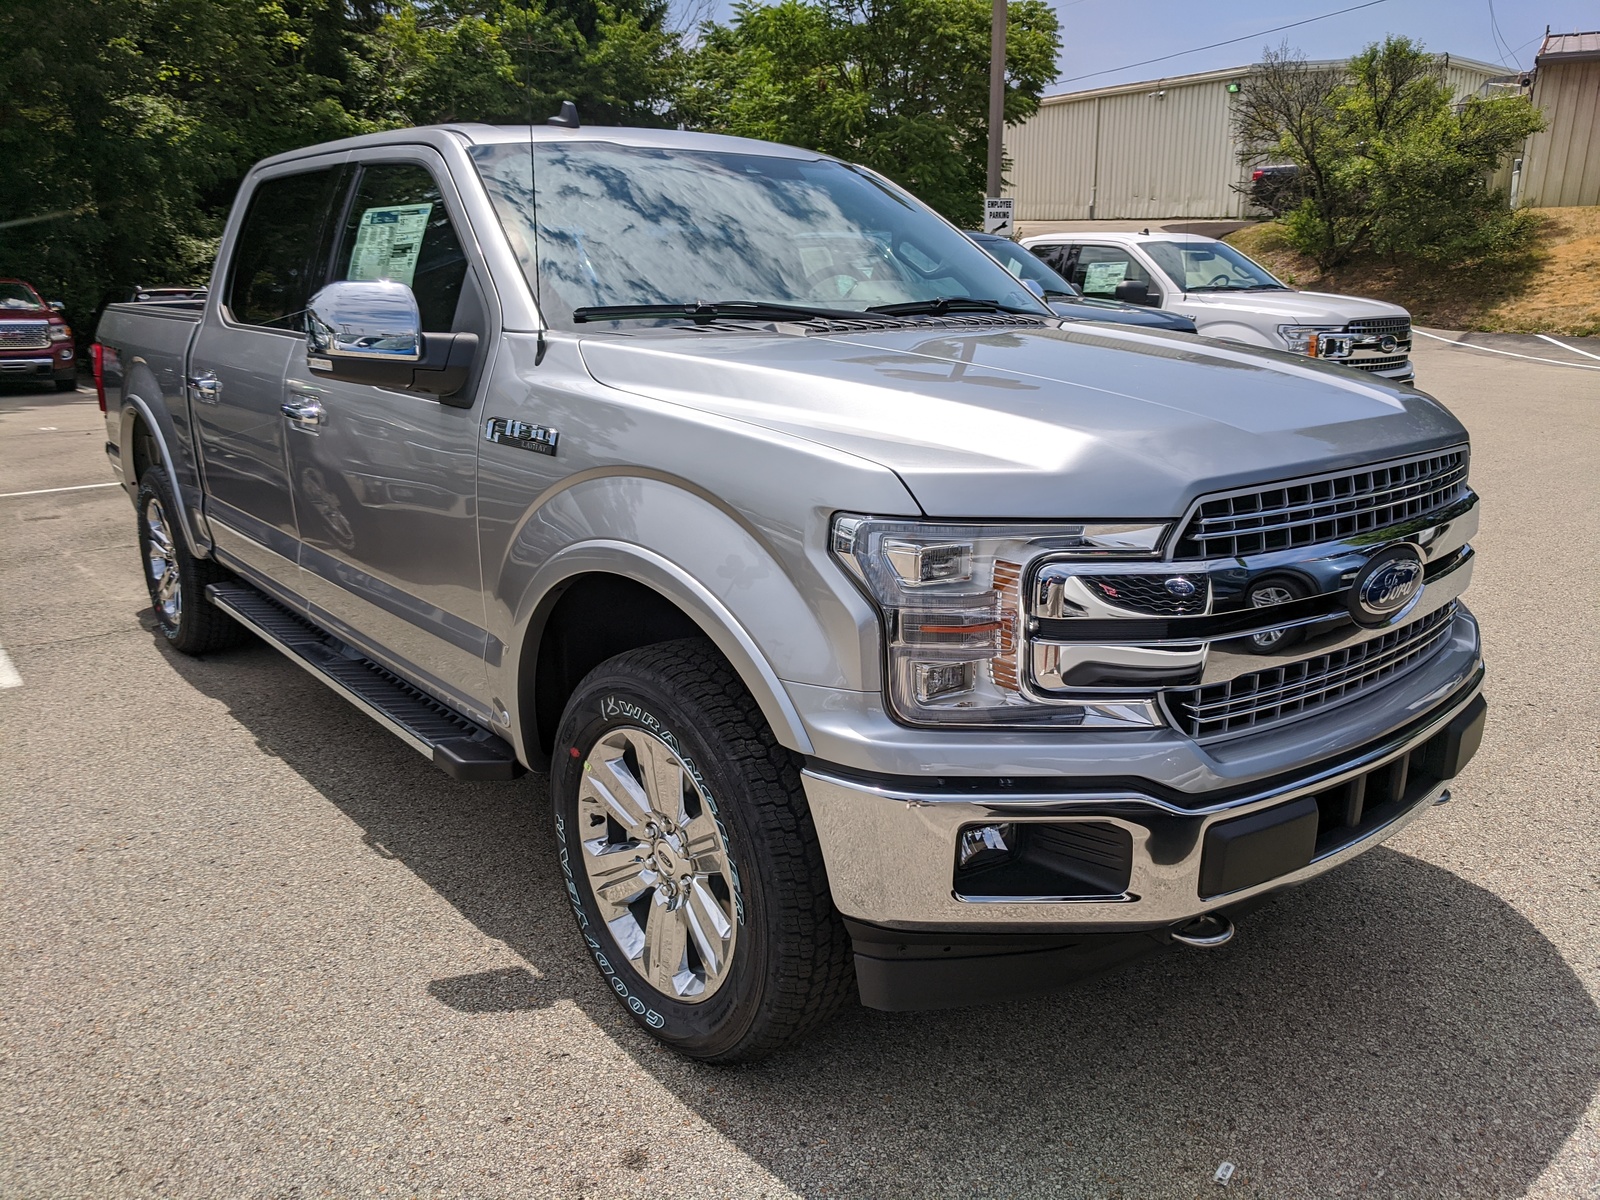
(567, 118)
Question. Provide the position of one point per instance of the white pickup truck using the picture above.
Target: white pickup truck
(1231, 297)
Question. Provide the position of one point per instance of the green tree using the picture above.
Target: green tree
(1389, 161)
(897, 85)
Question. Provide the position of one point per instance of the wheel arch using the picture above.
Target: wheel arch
(146, 443)
(573, 627)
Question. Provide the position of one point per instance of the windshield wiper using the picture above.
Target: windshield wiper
(703, 312)
(943, 305)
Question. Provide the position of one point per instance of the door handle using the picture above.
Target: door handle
(304, 411)
(207, 388)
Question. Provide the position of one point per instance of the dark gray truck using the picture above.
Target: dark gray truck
(879, 631)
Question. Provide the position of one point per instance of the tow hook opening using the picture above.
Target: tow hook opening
(1205, 932)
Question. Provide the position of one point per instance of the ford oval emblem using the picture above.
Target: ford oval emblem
(1388, 343)
(1387, 586)
(1181, 587)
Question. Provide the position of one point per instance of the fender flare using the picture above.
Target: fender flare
(661, 575)
(135, 407)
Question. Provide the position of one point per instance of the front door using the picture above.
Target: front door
(385, 484)
(236, 366)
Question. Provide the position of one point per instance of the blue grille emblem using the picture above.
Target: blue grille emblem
(1181, 587)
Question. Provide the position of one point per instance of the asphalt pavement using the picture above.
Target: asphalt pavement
(254, 946)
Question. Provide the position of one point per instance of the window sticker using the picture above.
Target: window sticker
(1103, 276)
(389, 241)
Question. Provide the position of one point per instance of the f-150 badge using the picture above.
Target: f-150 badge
(538, 438)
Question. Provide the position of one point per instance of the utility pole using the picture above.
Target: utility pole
(997, 96)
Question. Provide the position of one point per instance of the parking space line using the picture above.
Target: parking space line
(8, 671)
(1564, 346)
(82, 487)
(1508, 353)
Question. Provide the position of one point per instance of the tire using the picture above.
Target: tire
(176, 579)
(743, 839)
(67, 385)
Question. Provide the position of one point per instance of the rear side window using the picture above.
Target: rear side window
(1099, 269)
(398, 228)
(278, 256)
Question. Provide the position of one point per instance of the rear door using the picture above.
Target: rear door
(385, 485)
(253, 324)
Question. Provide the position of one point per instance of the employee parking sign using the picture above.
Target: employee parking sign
(997, 216)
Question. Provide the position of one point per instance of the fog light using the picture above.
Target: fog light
(936, 680)
(64, 353)
(981, 839)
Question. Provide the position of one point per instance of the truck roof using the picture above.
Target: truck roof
(493, 135)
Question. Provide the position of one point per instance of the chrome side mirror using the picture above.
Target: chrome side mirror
(364, 319)
(59, 305)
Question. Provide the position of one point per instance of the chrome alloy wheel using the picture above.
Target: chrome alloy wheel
(161, 560)
(1266, 597)
(657, 864)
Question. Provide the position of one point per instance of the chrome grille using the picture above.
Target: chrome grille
(1388, 363)
(1324, 508)
(1279, 694)
(32, 336)
(1400, 327)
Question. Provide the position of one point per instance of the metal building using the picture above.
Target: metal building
(1561, 166)
(1148, 150)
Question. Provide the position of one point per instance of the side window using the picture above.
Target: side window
(1059, 257)
(1099, 269)
(398, 229)
(278, 254)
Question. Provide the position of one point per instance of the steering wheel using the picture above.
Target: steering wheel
(835, 282)
(1222, 280)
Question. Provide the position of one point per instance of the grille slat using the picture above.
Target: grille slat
(1325, 508)
(1279, 694)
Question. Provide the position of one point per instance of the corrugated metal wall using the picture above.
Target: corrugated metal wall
(1562, 164)
(1128, 154)
(1122, 153)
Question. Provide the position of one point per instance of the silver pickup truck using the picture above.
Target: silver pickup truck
(879, 631)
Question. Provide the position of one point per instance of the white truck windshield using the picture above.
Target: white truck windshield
(598, 225)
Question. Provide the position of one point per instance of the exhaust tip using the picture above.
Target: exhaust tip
(1205, 932)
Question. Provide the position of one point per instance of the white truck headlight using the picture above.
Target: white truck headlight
(951, 599)
(1306, 339)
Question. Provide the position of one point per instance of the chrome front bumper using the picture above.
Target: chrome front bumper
(891, 850)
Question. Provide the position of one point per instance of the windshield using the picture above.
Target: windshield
(630, 225)
(1209, 267)
(18, 295)
(1024, 264)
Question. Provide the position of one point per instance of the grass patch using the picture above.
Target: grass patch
(1554, 288)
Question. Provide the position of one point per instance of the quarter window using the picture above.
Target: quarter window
(278, 255)
(398, 228)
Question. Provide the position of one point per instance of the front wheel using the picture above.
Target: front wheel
(690, 857)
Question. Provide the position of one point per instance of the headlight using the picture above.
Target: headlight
(1308, 339)
(951, 597)
(60, 333)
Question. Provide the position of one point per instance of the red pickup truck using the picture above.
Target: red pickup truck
(35, 339)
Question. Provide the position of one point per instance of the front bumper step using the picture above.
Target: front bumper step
(456, 745)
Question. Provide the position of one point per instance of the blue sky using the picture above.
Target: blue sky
(1107, 35)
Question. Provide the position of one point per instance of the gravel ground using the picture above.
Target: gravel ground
(254, 947)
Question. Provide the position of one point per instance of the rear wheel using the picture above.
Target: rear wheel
(176, 578)
(690, 857)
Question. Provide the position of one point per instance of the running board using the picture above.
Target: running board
(457, 746)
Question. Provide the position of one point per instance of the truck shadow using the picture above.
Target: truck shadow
(1391, 1029)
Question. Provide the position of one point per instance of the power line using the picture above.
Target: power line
(1247, 37)
(1505, 46)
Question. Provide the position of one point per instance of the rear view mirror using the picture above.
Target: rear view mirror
(369, 331)
(1134, 291)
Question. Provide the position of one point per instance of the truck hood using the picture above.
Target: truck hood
(1077, 421)
(1289, 308)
